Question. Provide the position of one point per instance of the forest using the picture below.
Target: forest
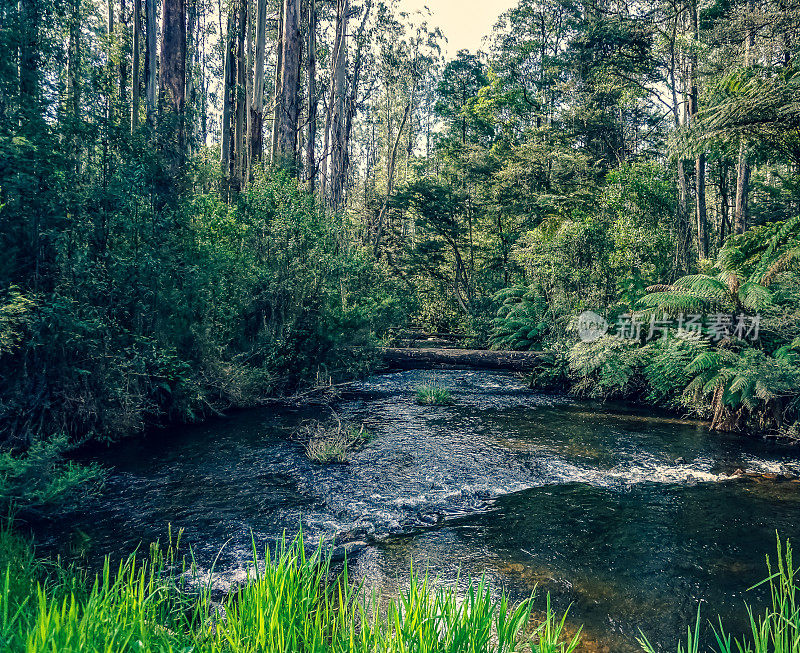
(207, 204)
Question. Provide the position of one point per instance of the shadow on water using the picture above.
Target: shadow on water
(583, 501)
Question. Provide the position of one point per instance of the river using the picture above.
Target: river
(629, 517)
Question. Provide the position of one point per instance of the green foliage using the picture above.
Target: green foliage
(639, 199)
(702, 292)
(40, 478)
(231, 304)
(15, 315)
(432, 394)
(523, 319)
(461, 80)
(666, 372)
(738, 383)
(765, 250)
(290, 602)
(332, 443)
(552, 372)
(606, 368)
(757, 104)
(587, 261)
(745, 383)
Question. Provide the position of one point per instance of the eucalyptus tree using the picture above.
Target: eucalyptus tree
(172, 82)
(287, 108)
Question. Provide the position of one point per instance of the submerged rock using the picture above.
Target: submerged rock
(431, 518)
(348, 550)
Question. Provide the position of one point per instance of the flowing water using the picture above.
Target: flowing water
(631, 518)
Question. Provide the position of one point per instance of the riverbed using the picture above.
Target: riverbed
(628, 517)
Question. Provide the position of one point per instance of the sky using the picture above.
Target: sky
(463, 22)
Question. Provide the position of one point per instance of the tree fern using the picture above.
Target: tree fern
(665, 370)
(742, 385)
(607, 368)
(724, 292)
(521, 321)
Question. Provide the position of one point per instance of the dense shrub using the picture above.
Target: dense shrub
(736, 382)
(230, 304)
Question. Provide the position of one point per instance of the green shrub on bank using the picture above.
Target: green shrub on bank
(738, 381)
(187, 310)
(290, 602)
(40, 478)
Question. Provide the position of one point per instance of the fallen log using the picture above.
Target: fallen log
(520, 361)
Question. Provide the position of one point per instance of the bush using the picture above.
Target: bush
(221, 306)
(522, 321)
(39, 478)
(607, 368)
(747, 384)
(665, 370)
(433, 395)
(552, 372)
(331, 444)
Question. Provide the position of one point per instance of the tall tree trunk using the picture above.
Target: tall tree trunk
(73, 75)
(257, 123)
(700, 205)
(700, 160)
(247, 102)
(240, 96)
(288, 110)
(336, 108)
(172, 82)
(135, 77)
(29, 62)
(336, 101)
(725, 222)
(229, 97)
(683, 245)
(110, 54)
(743, 166)
(742, 191)
(201, 33)
(311, 161)
(191, 61)
(389, 182)
(150, 61)
(277, 86)
(343, 167)
(123, 59)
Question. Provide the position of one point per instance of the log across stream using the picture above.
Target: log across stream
(426, 358)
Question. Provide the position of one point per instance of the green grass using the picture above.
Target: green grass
(292, 603)
(332, 444)
(431, 394)
(775, 629)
